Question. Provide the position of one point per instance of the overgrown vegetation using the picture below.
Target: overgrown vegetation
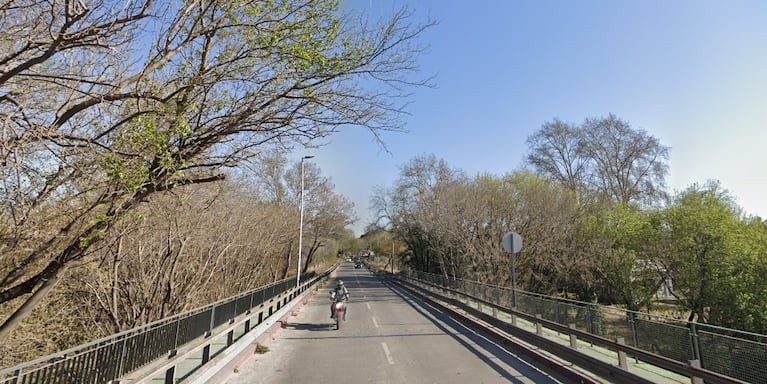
(595, 222)
(112, 112)
(143, 173)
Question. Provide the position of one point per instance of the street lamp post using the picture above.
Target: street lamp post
(301, 223)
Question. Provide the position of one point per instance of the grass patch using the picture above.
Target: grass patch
(261, 349)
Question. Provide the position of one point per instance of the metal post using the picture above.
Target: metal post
(301, 223)
(212, 321)
(170, 375)
(205, 354)
(511, 246)
(513, 279)
(178, 330)
(121, 366)
(538, 325)
(695, 343)
(695, 364)
(622, 358)
(633, 326)
(392, 256)
(573, 338)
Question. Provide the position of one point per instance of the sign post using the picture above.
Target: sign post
(512, 243)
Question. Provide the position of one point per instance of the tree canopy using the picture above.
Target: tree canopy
(698, 246)
(103, 104)
(601, 157)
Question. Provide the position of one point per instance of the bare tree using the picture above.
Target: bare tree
(556, 152)
(628, 164)
(326, 213)
(104, 105)
(603, 156)
(189, 249)
(453, 224)
(415, 207)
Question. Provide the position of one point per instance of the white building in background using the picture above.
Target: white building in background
(659, 270)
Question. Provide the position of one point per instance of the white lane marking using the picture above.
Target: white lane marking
(387, 353)
(357, 280)
(374, 321)
(368, 304)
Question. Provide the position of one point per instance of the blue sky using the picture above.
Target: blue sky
(691, 73)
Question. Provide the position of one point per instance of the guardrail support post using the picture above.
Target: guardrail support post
(695, 364)
(205, 355)
(622, 355)
(538, 325)
(170, 375)
(573, 338)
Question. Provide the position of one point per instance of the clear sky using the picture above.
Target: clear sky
(692, 73)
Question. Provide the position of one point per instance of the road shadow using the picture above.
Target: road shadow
(309, 327)
(455, 329)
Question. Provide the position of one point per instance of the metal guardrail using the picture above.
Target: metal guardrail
(665, 338)
(107, 359)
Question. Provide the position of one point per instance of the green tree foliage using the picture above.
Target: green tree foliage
(627, 271)
(107, 103)
(700, 247)
(745, 306)
(717, 258)
(701, 221)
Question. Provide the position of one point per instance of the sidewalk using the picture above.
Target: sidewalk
(647, 371)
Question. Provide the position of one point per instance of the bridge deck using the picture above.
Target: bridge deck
(390, 337)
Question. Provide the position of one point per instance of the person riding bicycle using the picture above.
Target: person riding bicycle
(340, 293)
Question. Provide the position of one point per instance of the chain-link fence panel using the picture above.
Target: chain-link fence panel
(665, 339)
(739, 358)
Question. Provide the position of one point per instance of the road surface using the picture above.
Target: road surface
(389, 337)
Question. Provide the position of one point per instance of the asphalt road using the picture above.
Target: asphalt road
(389, 337)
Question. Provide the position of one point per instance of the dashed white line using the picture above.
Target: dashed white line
(368, 304)
(387, 353)
(374, 321)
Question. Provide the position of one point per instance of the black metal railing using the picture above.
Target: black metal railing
(109, 358)
(730, 352)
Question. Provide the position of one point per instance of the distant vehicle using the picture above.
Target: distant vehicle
(357, 265)
(356, 259)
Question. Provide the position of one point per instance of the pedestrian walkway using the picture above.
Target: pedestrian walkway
(640, 368)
